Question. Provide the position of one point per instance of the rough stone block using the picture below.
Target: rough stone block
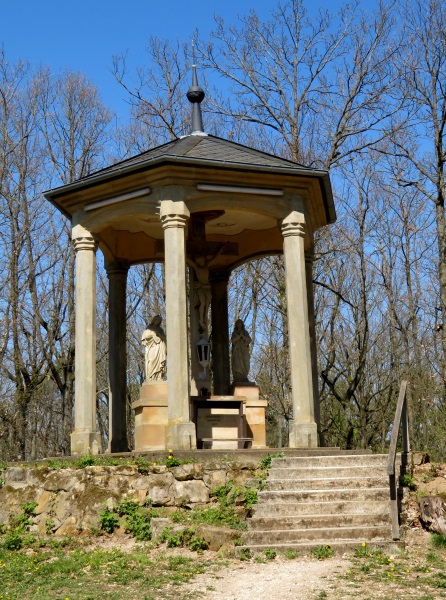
(217, 537)
(159, 489)
(190, 492)
(213, 479)
(158, 524)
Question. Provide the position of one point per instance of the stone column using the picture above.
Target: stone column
(194, 324)
(303, 428)
(220, 332)
(309, 260)
(117, 362)
(180, 433)
(85, 439)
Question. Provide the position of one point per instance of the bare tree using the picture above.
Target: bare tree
(320, 86)
(422, 80)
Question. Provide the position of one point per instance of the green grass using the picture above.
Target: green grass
(78, 574)
(402, 573)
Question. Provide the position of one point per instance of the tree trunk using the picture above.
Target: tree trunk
(432, 514)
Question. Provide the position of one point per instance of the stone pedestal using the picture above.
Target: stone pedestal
(151, 416)
(303, 435)
(255, 409)
(85, 443)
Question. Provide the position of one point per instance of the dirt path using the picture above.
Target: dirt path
(280, 579)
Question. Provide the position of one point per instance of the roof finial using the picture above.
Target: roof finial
(195, 95)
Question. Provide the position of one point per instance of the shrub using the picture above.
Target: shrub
(245, 554)
(85, 461)
(137, 518)
(322, 552)
(270, 554)
(408, 481)
(265, 462)
(13, 541)
(108, 521)
(29, 508)
(198, 544)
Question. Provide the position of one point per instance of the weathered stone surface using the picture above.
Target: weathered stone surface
(139, 496)
(159, 489)
(140, 483)
(129, 470)
(184, 472)
(68, 527)
(436, 487)
(43, 498)
(64, 506)
(64, 480)
(420, 458)
(158, 524)
(217, 537)
(432, 514)
(70, 500)
(37, 476)
(14, 474)
(158, 469)
(191, 492)
(214, 479)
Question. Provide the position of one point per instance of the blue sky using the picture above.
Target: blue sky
(83, 36)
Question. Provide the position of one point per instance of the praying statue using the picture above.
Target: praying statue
(154, 341)
(240, 340)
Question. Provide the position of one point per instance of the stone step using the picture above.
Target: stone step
(338, 547)
(340, 494)
(371, 460)
(319, 521)
(327, 534)
(326, 472)
(335, 506)
(326, 484)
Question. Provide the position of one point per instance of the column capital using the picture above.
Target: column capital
(293, 224)
(116, 268)
(173, 214)
(82, 239)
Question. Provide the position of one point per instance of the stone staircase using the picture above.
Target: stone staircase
(341, 499)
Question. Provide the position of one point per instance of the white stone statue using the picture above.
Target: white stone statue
(154, 341)
(240, 340)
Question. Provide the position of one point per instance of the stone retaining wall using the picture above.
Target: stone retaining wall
(70, 500)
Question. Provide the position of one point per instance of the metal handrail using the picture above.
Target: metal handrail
(401, 418)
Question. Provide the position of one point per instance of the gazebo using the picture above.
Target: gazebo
(205, 205)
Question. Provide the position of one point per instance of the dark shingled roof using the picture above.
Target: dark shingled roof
(204, 147)
(207, 151)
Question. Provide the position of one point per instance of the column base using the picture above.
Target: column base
(303, 435)
(85, 443)
(181, 436)
(118, 446)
